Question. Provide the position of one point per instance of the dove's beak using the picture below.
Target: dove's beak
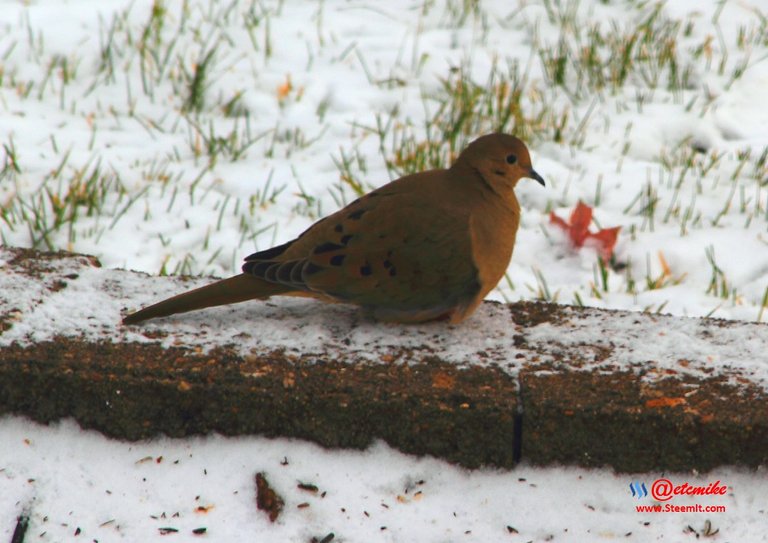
(533, 175)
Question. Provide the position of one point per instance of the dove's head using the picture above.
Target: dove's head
(502, 160)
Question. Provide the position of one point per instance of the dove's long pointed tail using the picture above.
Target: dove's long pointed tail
(227, 291)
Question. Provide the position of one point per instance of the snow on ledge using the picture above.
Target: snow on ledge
(44, 296)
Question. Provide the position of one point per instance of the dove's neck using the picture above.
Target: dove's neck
(494, 192)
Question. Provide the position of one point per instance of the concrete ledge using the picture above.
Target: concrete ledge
(132, 391)
(537, 382)
(671, 424)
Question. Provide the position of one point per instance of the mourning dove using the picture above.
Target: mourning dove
(426, 246)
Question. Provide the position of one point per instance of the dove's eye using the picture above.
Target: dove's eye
(511, 159)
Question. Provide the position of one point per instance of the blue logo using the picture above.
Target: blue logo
(638, 490)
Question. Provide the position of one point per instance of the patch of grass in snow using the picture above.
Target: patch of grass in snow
(231, 143)
(67, 196)
(158, 69)
(594, 57)
(650, 52)
(651, 55)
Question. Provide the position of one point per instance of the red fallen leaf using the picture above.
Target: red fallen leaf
(578, 230)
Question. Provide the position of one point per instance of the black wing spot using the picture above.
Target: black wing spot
(339, 228)
(498, 172)
(366, 270)
(387, 264)
(345, 239)
(357, 214)
(392, 271)
(337, 260)
(327, 247)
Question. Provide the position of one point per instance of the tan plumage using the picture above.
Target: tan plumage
(425, 246)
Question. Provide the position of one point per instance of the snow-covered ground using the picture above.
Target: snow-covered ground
(653, 114)
(67, 480)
